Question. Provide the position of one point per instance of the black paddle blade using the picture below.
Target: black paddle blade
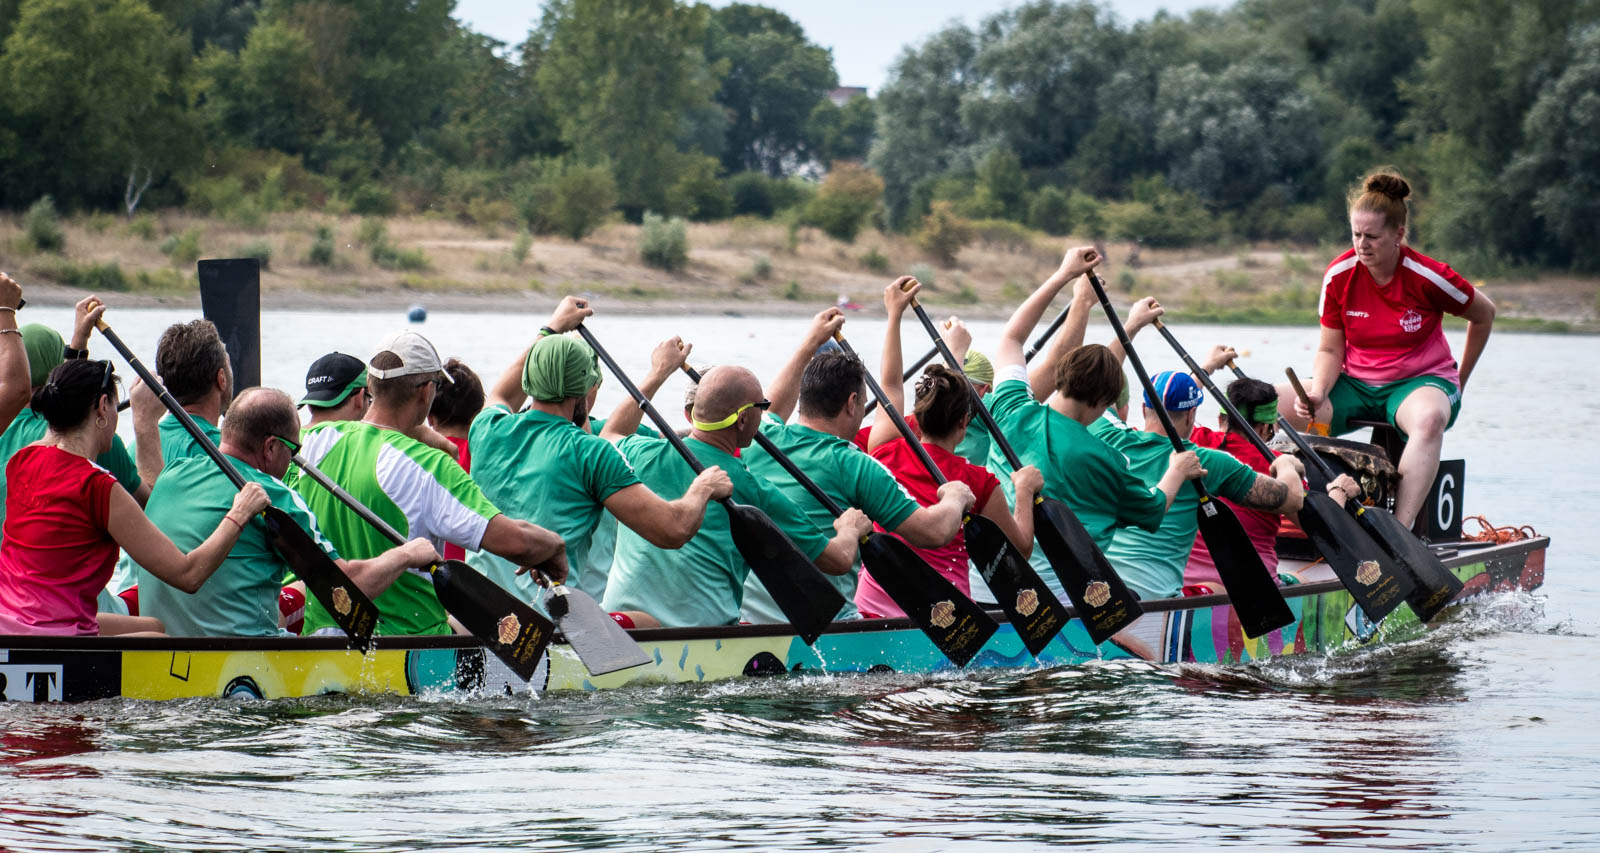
(1368, 573)
(800, 589)
(350, 608)
(1103, 601)
(956, 625)
(1029, 604)
(1435, 585)
(1251, 589)
(514, 631)
(594, 636)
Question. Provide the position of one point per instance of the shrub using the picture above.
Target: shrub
(372, 200)
(664, 242)
(183, 249)
(142, 226)
(490, 214)
(520, 248)
(572, 202)
(1126, 281)
(1087, 215)
(791, 193)
(875, 261)
(1003, 234)
(944, 234)
(42, 225)
(392, 257)
(261, 250)
(98, 222)
(322, 248)
(98, 277)
(1160, 216)
(1050, 211)
(372, 232)
(761, 268)
(750, 194)
(792, 291)
(965, 294)
(697, 193)
(926, 275)
(848, 196)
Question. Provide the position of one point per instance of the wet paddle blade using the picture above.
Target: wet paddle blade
(1103, 601)
(1367, 572)
(350, 608)
(594, 636)
(1252, 591)
(1029, 604)
(1435, 585)
(514, 631)
(800, 589)
(951, 620)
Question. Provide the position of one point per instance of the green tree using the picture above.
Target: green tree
(774, 79)
(617, 75)
(921, 134)
(94, 92)
(841, 133)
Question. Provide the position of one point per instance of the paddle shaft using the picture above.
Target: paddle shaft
(889, 409)
(1205, 379)
(349, 500)
(909, 372)
(995, 434)
(1038, 345)
(1294, 435)
(638, 396)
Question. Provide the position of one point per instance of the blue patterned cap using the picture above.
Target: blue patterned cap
(1179, 392)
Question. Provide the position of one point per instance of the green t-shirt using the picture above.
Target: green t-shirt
(542, 468)
(241, 598)
(849, 476)
(975, 446)
(1092, 479)
(603, 542)
(1152, 561)
(418, 490)
(701, 583)
(29, 426)
(177, 443)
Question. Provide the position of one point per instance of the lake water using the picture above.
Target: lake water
(1478, 737)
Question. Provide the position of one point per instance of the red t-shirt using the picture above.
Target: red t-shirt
(1261, 527)
(58, 553)
(453, 551)
(866, 431)
(951, 559)
(1394, 332)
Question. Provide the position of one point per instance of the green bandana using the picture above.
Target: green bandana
(1266, 413)
(560, 367)
(978, 369)
(43, 345)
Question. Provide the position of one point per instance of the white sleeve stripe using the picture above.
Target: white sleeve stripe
(1443, 283)
(431, 511)
(1327, 279)
(1018, 372)
(318, 443)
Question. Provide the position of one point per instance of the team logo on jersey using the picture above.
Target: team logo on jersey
(341, 600)
(1097, 593)
(1368, 572)
(1027, 602)
(1361, 314)
(943, 614)
(508, 629)
(1411, 321)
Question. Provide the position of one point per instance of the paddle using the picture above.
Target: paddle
(351, 609)
(1252, 591)
(600, 643)
(1029, 604)
(1434, 585)
(1369, 574)
(1038, 344)
(514, 631)
(798, 587)
(230, 297)
(1305, 399)
(956, 625)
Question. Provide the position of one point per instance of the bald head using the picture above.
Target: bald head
(257, 415)
(723, 391)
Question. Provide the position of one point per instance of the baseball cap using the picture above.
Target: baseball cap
(1179, 392)
(332, 378)
(415, 354)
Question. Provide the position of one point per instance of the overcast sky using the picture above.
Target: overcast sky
(866, 35)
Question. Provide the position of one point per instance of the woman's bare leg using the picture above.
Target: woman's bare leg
(1423, 417)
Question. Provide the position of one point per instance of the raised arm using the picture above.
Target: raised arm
(15, 388)
(1042, 375)
(147, 411)
(784, 389)
(1009, 351)
(507, 390)
(896, 298)
(1480, 322)
(1140, 314)
(150, 548)
(667, 358)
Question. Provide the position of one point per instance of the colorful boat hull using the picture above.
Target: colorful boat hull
(1203, 629)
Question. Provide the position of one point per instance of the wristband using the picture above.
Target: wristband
(546, 331)
(71, 354)
(235, 522)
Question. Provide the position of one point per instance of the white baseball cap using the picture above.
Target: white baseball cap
(416, 355)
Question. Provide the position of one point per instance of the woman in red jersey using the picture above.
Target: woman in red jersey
(66, 517)
(1383, 354)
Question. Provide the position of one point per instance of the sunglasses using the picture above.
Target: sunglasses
(294, 446)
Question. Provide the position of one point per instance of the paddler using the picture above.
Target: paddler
(336, 389)
(193, 365)
(540, 464)
(703, 582)
(189, 501)
(1152, 561)
(830, 388)
(417, 489)
(1092, 479)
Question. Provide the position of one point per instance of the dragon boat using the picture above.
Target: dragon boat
(1200, 629)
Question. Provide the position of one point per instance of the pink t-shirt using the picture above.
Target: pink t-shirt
(58, 553)
(1394, 332)
(950, 559)
(1261, 527)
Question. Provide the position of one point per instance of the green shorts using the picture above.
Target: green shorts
(1354, 400)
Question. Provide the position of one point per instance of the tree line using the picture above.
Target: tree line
(1246, 123)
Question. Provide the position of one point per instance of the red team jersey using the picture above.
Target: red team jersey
(1394, 332)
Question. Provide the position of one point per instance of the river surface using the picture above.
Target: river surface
(1481, 736)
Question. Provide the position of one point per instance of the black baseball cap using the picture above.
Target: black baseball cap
(332, 378)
